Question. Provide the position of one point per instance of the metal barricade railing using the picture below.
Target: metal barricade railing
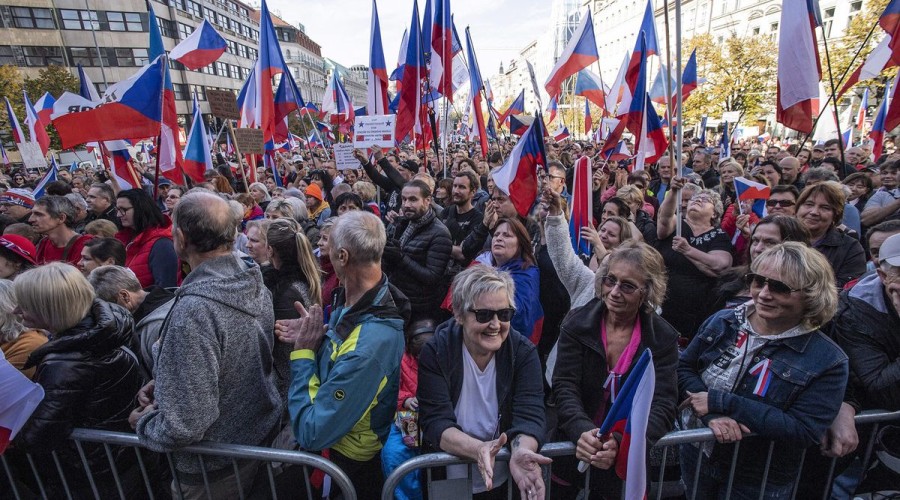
(271, 477)
(673, 439)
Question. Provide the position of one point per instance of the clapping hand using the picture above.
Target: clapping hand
(305, 332)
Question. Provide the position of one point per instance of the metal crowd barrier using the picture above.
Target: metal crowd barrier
(156, 484)
(673, 439)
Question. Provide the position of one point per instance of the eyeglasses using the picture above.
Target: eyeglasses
(486, 315)
(780, 203)
(775, 286)
(123, 211)
(702, 199)
(626, 288)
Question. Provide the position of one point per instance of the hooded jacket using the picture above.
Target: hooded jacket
(344, 396)
(213, 365)
(89, 380)
(867, 327)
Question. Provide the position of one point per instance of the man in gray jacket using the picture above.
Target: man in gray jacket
(213, 378)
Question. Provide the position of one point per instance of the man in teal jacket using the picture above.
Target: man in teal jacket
(344, 390)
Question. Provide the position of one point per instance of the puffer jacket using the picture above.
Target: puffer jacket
(90, 381)
(420, 271)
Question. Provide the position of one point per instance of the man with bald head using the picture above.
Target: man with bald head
(790, 172)
(213, 377)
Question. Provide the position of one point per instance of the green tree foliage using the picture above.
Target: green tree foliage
(740, 76)
(856, 39)
(56, 80)
(10, 88)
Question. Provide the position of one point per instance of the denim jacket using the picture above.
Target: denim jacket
(808, 376)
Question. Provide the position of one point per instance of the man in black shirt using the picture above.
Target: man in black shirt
(459, 216)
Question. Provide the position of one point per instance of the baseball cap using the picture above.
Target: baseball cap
(819, 147)
(17, 196)
(890, 250)
(19, 245)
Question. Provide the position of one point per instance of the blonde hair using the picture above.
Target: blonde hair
(10, 325)
(631, 194)
(290, 244)
(365, 190)
(58, 292)
(625, 232)
(101, 228)
(806, 269)
(644, 258)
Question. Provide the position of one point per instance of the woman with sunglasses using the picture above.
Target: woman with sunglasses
(480, 389)
(599, 344)
(694, 260)
(763, 367)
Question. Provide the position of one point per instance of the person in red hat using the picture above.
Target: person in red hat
(17, 255)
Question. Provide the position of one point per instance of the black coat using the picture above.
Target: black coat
(89, 381)
(581, 371)
(844, 253)
(419, 272)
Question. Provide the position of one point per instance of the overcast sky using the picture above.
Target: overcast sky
(500, 28)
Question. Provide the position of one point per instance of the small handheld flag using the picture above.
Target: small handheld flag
(518, 176)
(580, 211)
(50, 176)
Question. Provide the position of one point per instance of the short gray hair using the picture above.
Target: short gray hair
(10, 324)
(57, 206)
(106, 191)
(77, 201)
(301, 214)
(108, 281)
(205, 221)
(476, 281)
(693, 188)
(361, 234)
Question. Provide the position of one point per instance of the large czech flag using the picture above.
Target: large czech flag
(590, 85)
(518, 176)
(799, 68)
(197, 158)
(202, 48)
(136, 111)
(580, 53)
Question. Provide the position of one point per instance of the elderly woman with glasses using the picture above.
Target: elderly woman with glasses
(763, 367)
(591, 366)
(695, 259)
(480, 388)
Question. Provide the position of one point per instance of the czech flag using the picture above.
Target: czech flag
(18, 399)
(589, 85)
(552, 107)
(647, 33)
(561, 134)
(197, 158)
(725, 142)
(122, 169)
(136, 111)
(44, 108)
(37, 134)
(441, 42)
(3, 155)
(17, 134)
(628, 415)
(878, 129)
(313, 140)
(588, 121)
(890, 23)
(336, 101)
(519, 124)
(747, 189)
(376, 88)
(799, 69)
(689, 77)
(580, 212)
(580, 53)
(51, 175)
(287, 100)
(476, 85)
(203, 47)
(703, 130)
(169, 153)
(618, 89)
(86, 87)
(620, 152)
(861, 114)
(877, 61)
(638, 107)
(410, 93)
(516, 108)
(518, 176)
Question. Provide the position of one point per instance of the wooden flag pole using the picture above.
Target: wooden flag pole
(679, 137)
(240, 157)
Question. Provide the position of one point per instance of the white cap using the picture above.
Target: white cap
(890, 250)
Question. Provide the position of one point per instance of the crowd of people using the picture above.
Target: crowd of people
(406, 306)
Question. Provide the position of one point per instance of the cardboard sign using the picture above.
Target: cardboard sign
(32, 156)
(343, 156)
(249, 140)
(222, 104)
(375, 130)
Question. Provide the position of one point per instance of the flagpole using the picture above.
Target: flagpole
(156, 171)
(844, 75)
(679, 99)
(431, 113)
(668, 86)
(240, 158)
(837, 119)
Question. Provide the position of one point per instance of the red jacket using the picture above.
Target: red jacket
(409, 379)
(137, 253)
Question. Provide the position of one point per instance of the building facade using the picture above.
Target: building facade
(354, 84)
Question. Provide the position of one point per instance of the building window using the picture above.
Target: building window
(200, 90)
(25, 17)
(856, 6)
(242, 51)
(184, 31)
(124, 21)
(182, 92)
(232, 47)
(87, 56)
(6, 55)
(79, 19)
(221, 69)
(194, 8)
(755, 32)
(773, 27)
(131, 57)
(43, 56)
(167, 28)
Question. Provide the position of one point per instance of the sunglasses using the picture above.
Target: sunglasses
(486, 315)
(626, 288)
(775, 286)
(780, 203)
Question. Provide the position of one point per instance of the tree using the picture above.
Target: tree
(56, 80)
(740, 76)
(856, 38)
(10, 88)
